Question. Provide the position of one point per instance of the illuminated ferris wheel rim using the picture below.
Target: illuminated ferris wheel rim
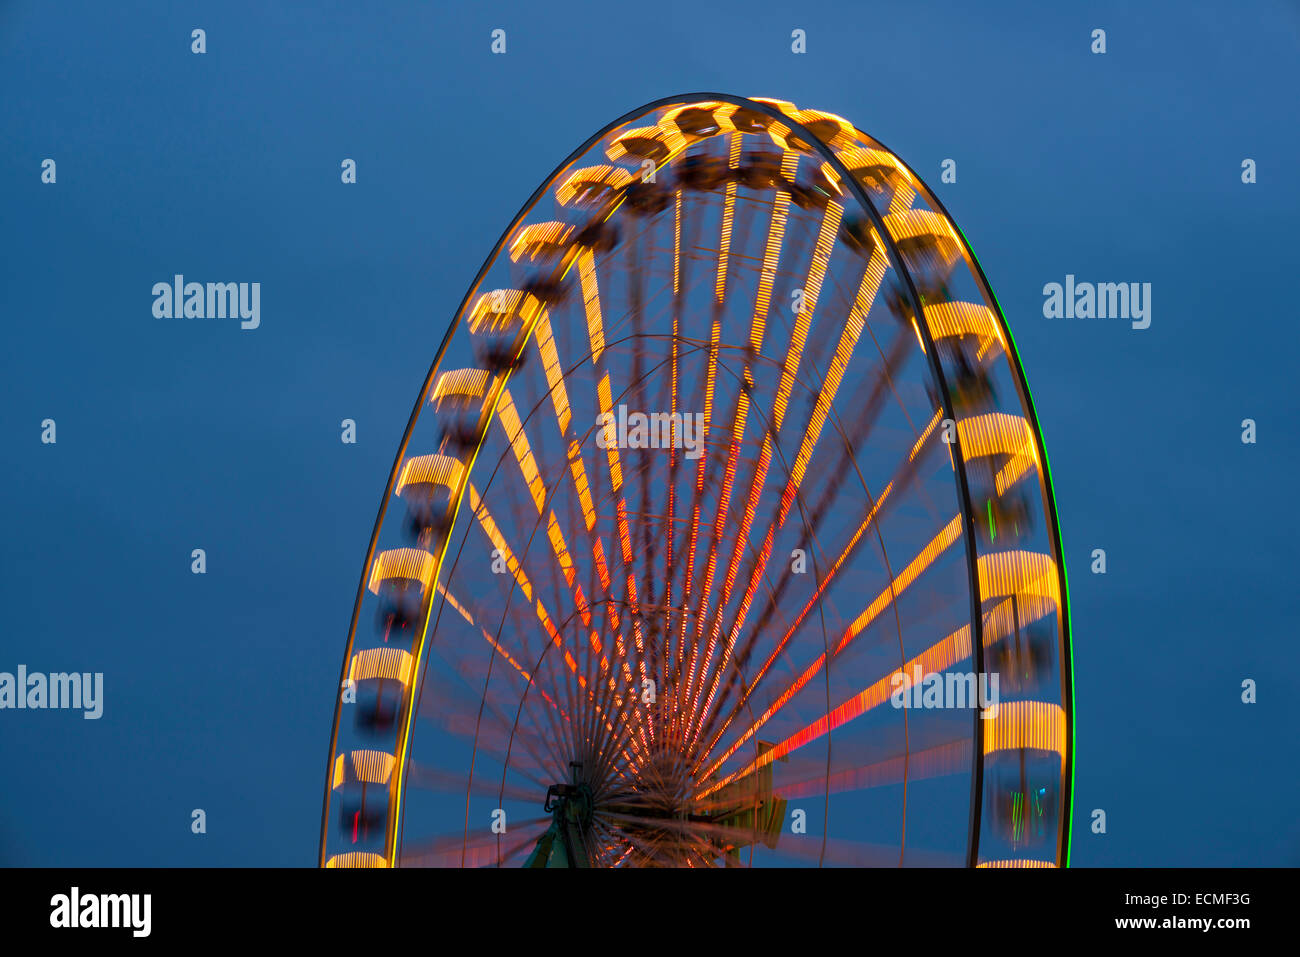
(850, 183)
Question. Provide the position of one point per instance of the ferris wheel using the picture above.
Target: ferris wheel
(721, 533)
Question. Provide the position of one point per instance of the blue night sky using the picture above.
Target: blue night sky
(219, 688)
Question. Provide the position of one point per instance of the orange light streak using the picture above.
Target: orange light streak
(933, 549)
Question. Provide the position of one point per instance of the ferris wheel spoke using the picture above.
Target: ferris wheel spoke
(740, 660)
(901, 479)
(457, 721)
(438, 780)
(940, 656)
(871, 407)
(650, 654)
(656, 845)
(643, 847)
(697, 838)
(617, 479)
(579, 720)
(514, 427)
(559, 546)
(474, 848)
(909, 574)
(900, 583)
(688, 653)
(525, 586)
(853, 328)
(674, 652)
(709, 676)
(599, 566)
(872, 276)
(468, 616)
(569, 693)
(843, 853)
(501, 736)
(798, 336)
(789, 370)
(636, 294)
(955, 647)
(739, 417)
(940, 760)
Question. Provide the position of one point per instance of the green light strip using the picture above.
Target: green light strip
(1065, 576)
